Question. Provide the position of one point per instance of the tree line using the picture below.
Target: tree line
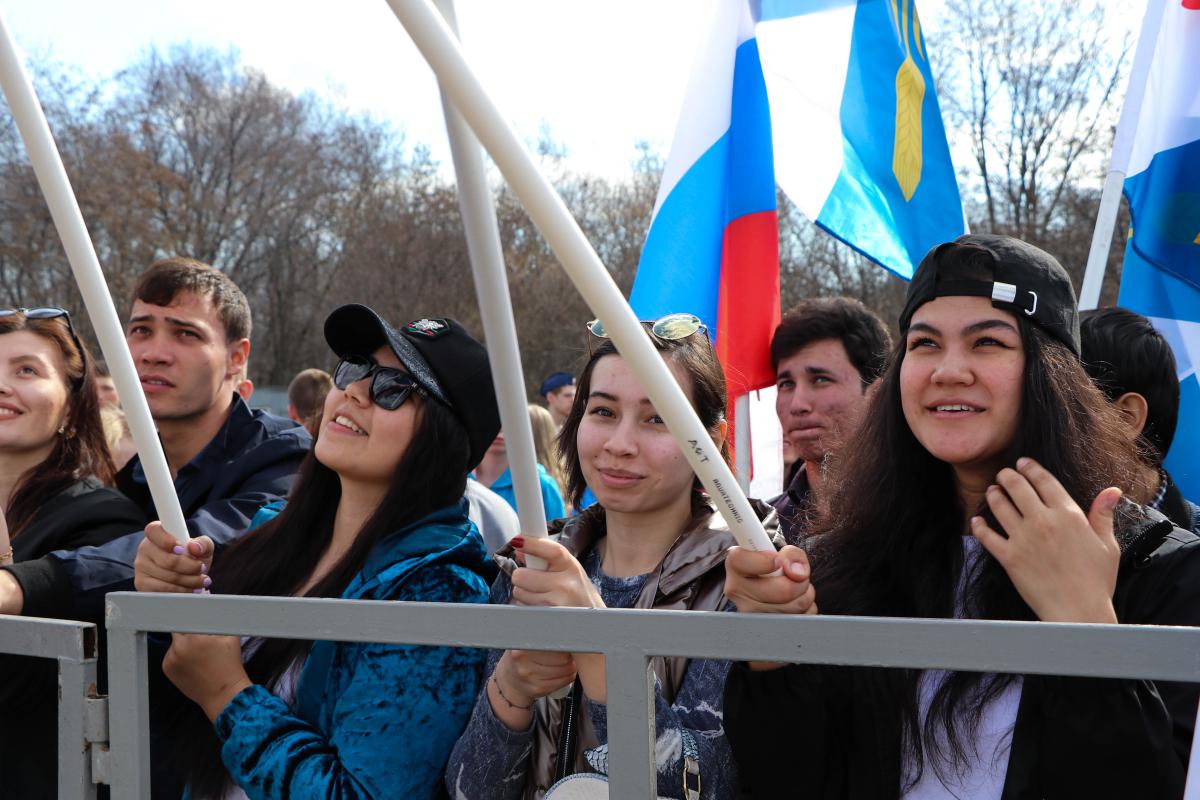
(307, 206)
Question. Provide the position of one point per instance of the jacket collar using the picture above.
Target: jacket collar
(443, 532)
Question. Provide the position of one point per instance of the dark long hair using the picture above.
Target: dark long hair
(277, 558)
(886, 539)
(81, 450)
(697, 358)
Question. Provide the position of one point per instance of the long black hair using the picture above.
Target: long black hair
(886, 540)
(279, 557)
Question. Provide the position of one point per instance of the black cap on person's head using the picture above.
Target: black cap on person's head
(441, 356)
(1015, 275)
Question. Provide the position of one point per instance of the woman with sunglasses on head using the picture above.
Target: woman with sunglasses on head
(54, 467)
(985, 483)
(652, 541)
(376, 514)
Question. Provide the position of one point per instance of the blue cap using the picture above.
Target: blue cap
(557, 380)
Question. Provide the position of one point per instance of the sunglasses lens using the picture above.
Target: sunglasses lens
(45, 313)
(390, 389)
(676, 326)
(350, 370)
(597, 329)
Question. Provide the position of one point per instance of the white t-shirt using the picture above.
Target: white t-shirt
(984, 774)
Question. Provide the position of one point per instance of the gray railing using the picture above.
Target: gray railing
(81, 723)
(627, 638)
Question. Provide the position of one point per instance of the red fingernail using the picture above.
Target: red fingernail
(518, 542)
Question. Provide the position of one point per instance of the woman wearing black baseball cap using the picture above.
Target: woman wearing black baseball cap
(985, 483)
(377, 513)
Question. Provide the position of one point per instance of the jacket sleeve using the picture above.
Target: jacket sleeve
(398, 711)
(72, 583)
(103, 515)
(1128, 737)
(489, 760)
(698, 710)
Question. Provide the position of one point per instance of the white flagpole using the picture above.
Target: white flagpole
(495, 308)
(64, 209)
(741, 440)
(547, 210)
(1110, 199)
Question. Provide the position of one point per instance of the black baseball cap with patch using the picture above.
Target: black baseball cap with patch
(441, 356)
(1017, 276)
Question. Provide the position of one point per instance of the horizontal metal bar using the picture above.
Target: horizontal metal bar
(65, 640)
(1110, 651)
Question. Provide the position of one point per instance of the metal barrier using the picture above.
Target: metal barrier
(627, 638)
(81, 713)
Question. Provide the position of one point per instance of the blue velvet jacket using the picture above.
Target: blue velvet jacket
(371, 720)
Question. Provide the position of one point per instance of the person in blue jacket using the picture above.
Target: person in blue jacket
(377, 514)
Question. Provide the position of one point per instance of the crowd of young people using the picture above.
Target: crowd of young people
(996, 463)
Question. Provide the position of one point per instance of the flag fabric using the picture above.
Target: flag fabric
(860, 146)
(713, 245)
(1161, 274)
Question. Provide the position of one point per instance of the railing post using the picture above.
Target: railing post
(631, 738)
(128, 714)
(76, 682)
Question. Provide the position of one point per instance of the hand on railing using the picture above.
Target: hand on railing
(1063, 562)
(207, 669)
(164, 565)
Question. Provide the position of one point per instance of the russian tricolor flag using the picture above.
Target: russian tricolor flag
(713, 245)
(1161, 274)
(835, 101)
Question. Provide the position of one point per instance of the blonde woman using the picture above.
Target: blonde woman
(544, 434)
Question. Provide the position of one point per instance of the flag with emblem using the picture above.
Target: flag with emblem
(859, 143)
(1161, 273)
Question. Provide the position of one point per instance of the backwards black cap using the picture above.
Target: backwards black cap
(441, 356)
(1023, 279)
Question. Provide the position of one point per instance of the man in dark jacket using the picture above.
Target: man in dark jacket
(826, 353)
(189, 334)
(1133, 365)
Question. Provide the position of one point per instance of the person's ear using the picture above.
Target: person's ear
(719, 433)
(1134, 411)
(239, 354)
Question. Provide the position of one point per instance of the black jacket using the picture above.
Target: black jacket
(809, 731)
(85, 513)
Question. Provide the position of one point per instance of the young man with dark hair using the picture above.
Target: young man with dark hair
(189, 334)
(826, 353)
(1133, 365)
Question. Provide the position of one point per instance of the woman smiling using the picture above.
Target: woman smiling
(54, 463)
(376, 514)
(986, 483)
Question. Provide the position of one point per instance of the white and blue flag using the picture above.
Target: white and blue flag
(1161, 275)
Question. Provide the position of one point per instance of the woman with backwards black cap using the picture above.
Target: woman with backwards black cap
(985, 483)
(377, 513)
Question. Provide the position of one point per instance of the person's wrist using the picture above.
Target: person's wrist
(219, 700)
(12, 598)
(512, 695)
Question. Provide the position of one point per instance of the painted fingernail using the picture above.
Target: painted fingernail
(796, 569)
(199, 591)
(518, 542)
(1023, 462)
(976, 520)
(204, 569)
(177, 549)
(207, 581)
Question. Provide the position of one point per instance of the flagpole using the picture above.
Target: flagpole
(547, 210)
(68, 220)
(741, 440)
(1110, 198)
(495, 309)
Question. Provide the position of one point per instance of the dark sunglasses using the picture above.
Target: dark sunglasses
(671, 327)
(50, 312)
(390, 387)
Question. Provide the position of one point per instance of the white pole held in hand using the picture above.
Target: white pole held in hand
(64, 209)
(495, 308)
(547, 210)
